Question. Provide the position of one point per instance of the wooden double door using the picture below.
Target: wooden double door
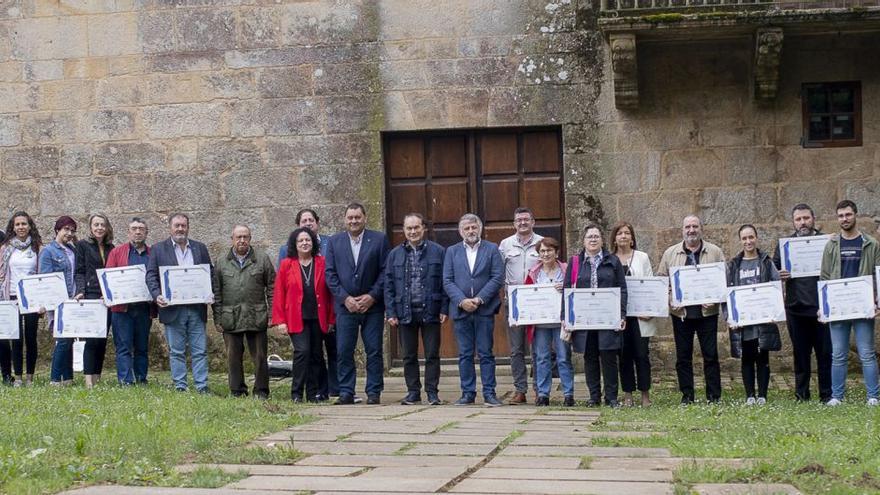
(445, 174)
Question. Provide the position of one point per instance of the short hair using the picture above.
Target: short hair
(548, 242)
(803, 206)
(243, 226)
(747, 226)
(616, 228)
(523, 209)
(178, 214)
(416, 215)
(300, 213)
(590, 226)
(354, 206)
(137, 220)
(693, 215)
(470, 218)
(108, 229)
(291, 242)
(846, 203)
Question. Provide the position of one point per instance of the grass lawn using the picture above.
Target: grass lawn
(53, 439)
(816, 448)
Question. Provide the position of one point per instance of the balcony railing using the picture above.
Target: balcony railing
(626, 6)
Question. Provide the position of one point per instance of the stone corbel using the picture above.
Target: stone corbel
(626, 74)
(768, 54)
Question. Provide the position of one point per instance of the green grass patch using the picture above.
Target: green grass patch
(54, 439)
(586, 462)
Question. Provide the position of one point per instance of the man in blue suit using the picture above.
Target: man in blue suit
(355, 268)
(473, 274)
(184, 324)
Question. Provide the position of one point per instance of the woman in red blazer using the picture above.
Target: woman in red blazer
(303, 307)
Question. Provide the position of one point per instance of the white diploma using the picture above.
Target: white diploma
(698, 284)
(846, 299)
(124, 285)
(9, 320)
(45, 290)
(755, 304)
(592, 309)
(86, 318)
(533, 304)
(802, 256)
(186, 284)
(647, 297)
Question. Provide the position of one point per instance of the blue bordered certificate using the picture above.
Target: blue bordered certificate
(846, 299)
(9, 320)
(45, 290)
(124, 285)
(755, 304)
(86, 318)
(592, 309)
(802, 256)
(533, 304)
(647, 297)
(186, 284)
(698, 284)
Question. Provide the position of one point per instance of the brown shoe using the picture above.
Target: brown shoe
(518, 398)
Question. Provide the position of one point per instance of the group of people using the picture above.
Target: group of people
(324, 292)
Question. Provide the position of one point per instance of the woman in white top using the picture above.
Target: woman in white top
(635, 363)
(18, 258)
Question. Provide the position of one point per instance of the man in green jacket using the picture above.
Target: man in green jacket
(243, 283)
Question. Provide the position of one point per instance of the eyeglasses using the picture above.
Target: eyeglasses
(592, 237)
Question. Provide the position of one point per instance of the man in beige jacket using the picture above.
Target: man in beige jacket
(701, 320)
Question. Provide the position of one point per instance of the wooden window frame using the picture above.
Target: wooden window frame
(856, 140)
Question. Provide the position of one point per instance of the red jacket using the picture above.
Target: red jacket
(530, 280)
(287, 302)
(119, 257)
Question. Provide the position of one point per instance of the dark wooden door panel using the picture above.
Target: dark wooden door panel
(543, 196)
(499, 198)
(448, 200)
(408, 198)
(406, 158)
(498, 154)
(447, 156)
(541, 152)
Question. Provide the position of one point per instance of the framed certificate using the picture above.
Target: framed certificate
(533, 304)
(846, 299)
(647, 297)
(802, 256)
(124, 285)
(86, 318)
(592, 309)
(755, 304)
(186, 284)
(698, 284)
(9, 320)
(45, 290)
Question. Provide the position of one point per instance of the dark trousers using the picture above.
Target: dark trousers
(131, 337)
(594, 360)
(808, 336)
(755, 365)
(94, 352)
(635, 364)
(308, 360)
(371, 326)
(328, 382)
(258, 347)
(706, 331)
(27, 338)
(475, 333)
(409, 342)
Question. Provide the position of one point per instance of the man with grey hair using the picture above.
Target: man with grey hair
(473, 274)
(243, 283)
(699, 320)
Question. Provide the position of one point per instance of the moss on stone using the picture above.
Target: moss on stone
(667, 17)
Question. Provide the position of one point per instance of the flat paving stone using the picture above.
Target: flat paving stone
(374, 426)
(356, 483)
(745, 489)
(338, 447)
(152, 490)
(410, 461)
(560, 487)
(554, 463)
(573, 474)
(667, 463)
(576, 438)
(305, 436)
(434, 438)
(275, 469)
(515, 450)
(430, 472)
(450, 449)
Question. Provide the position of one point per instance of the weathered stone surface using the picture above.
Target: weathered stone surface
(335, 79)
(182, 61)
(515, 450)
(65, 94)
(10, 130)
(382, 485)
(20, 195)
(312, 23)
(30, 163)
(134, 193)
(321, 150)
(287, 82)
(451, 449)
(76, 195)
(260, 27)
(561, 487)
(205, 29)
(119, 91)
(109, 125)
(352, 113)
(274, 470)
(156, 30)
(124, 158)
(737, 205)
(267, 187)
(228, 84)
(219, 155)
(113, 34)
(50, 38)
(548, 463)
(438, 109)
(389, 461)
(573, 474)
(195, 119)
(187, 191)
(43, 70)
(688, 169)
(425, 472)
(276, 117)
(49, 127)
(76, 160)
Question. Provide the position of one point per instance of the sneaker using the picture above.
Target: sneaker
(411, 399)
(464, 400)
(751, 401)
(344, 400)
(762, 401)
(569, 401)
(434, 400)
(686, 400)
(833, 402)
(873, 402)
(491, 401)
(542, 401)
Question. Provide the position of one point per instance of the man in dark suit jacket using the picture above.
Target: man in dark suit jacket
(185, 323)
(473, 274)
(355, 265)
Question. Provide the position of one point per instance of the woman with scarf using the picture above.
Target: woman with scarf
(19, 256)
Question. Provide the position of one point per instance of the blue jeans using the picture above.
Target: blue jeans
(131, 335)
(475, 331)
(864, 332)
(188, 329)
(545, 337)
(62, 361)
(371, 326)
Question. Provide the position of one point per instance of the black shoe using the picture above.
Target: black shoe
(491, 401)
(465, 400)
(542, 401)
(686, 400)
(205, 391)
(180, 389)
(592, 403)
(344, 400)
(297, 399)
(411, 399)
(320, 398)
(612, 404)
(434, 400)
(569, 401)
(261, 396)
(373, 399)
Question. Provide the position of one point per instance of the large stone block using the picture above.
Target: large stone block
(308, 23)
(260, 27)
(656, 134)
(20, 195)
(820, 195)
(30, 163)
(353, 113)
(797, 163)
(134, 193)
(403, 75)
(214, 227)
(666, 208)
(323, 184)
(184, 62)
(43, 70)
(333, 79)
(10, 9)
(322, 150)
(491, 72)
(65, 94)
(252, 188)
(186, 191)
(173, 88)
(92, 68)
(223, 155)
(629, 172)
(50, 38)
(10, 71)
(320, 54)
(865, 194)
(689, 169)
(183, 155)
(49, 127)
(239, 84)
(119, 91)
(76, 160)
(736, 206)
(756, 165)
(113, 34)
(279, 117)
(77, 196)
(109, 125)
(540, 104)
(16, 97)
(205, 29)
(436, 109)
(286, 82)
(195, 119)
(129, 158)
(156, 31)
(10, 130)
